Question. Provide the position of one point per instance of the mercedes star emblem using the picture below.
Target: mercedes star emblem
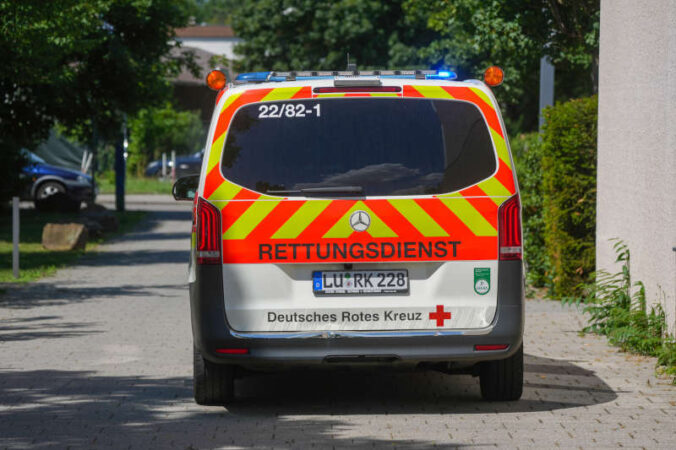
(360, 220)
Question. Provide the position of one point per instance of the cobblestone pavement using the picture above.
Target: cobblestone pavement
(100, 355)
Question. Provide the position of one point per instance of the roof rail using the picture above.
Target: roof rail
(261, 77)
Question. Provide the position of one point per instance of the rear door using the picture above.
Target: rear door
(416, 249)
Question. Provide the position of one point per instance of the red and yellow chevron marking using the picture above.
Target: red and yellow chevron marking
(501, 185)
(259, 228)
(291, 230)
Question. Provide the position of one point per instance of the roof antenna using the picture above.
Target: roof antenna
(351, 66)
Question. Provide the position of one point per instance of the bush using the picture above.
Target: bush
(666, 357)
(619, 311)
(569, 193)
(527, 152)
(157, 130)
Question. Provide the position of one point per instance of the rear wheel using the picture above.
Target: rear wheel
(213, 384)
(49, 188)
(502, 380)
(51, 196)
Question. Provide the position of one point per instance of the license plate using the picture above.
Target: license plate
(360, 282)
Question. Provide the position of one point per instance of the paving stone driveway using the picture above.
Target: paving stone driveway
(99, 355)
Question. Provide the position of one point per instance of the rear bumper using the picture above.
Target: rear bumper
(211, 332)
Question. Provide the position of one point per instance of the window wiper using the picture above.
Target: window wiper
(322, 190)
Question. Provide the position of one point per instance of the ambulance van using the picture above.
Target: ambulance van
(353, 219)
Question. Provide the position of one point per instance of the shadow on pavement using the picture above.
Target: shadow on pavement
(145, 231)
(42, 327)
(158, 216)
(157, 236)
(130, 258)
(82, 408)
(48, 294)
(124, 412)
(549, 384)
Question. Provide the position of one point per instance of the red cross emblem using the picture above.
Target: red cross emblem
(440, 316)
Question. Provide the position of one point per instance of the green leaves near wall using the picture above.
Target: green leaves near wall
(527, 152)
(569, 193)
(557, 180)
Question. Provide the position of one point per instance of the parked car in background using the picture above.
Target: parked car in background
(48, 183)
(185, 165)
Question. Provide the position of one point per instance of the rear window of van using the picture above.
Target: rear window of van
(386, 146)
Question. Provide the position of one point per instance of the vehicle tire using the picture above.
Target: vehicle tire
(52, 196)
(49, 188)
(502, 380)
(213, 384)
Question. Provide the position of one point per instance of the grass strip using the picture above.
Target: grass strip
(35, 261)
(134, 185)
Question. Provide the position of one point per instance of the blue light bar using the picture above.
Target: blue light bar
(261, 77)
(252, 77)
(443, 75)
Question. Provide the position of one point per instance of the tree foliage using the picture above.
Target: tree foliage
(566, 30)
(212, 12)
(467, 35)
(319, 34)
(161, 130)
(473, 34)
(83, 64)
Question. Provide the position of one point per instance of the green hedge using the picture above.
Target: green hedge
(527, 152)
(569, 193)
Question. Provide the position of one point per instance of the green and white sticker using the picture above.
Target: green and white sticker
(482, 280)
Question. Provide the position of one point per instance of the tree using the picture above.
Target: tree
(473, 34)
(213, 12)
(158, 130)
(83, 64)
(319, 34)
(31, 60)
(467, 35)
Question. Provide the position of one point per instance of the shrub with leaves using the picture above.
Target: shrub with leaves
(569, 193)
(666, 357)
(527, 152)
(617, 309)
(160, 130)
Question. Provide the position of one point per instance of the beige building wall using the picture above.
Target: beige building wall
(637, 143)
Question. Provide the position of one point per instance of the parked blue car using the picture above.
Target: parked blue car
(48, 182)
(185, 165)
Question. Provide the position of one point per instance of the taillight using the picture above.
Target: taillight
(233, 351)
(490, 347)
(208, 238)
(509, 225)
